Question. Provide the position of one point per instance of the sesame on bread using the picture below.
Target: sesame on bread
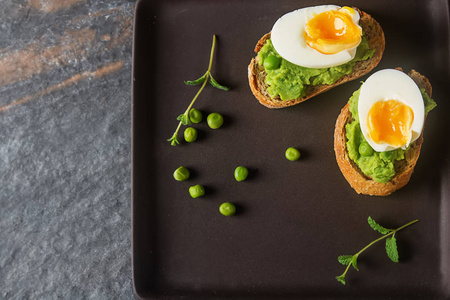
(256, 73)
(361, 183)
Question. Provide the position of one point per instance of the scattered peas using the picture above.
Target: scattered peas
(240, 173)
(190, 134)
(271, 62)
(181, 174)
(292, 154)
(227, 209)
(214, 120)
(195, 115)
(196, 191)
(365, 149)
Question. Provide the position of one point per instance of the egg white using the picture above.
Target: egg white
(390, 84)
(288, 39)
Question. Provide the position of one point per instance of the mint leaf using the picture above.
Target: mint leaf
(377, 227)
(215, 84)
(345, 259)
(354, 259)
(197, 81)
(341, 279)
(391, 248)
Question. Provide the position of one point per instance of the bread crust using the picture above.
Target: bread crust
(256, 73)
(361, 183)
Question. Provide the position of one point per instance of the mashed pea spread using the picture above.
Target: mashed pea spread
(378, 165)
(289, 81)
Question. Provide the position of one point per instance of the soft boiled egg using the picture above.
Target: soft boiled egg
(318, 37)
(391, 110)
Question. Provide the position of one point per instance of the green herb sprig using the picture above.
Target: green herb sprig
(207, 77)
(391, 247)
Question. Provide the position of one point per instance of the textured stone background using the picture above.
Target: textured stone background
(65, 149)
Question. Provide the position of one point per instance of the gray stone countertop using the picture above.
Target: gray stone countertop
(65, 149)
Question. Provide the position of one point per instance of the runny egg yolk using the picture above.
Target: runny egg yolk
(333, 31)
(390, 122)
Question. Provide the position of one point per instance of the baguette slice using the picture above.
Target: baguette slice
(256, 73)
(403, 169)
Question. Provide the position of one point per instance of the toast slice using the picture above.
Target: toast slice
(256, 73)
(361, 183)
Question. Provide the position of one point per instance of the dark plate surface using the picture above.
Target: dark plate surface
(294, 218)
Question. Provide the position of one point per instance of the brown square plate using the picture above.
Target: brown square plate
(294, 218)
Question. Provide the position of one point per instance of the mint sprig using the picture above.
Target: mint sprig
(391, 247)
(203, 80)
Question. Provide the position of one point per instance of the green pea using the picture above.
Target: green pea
(214, 120)
(388, 155)
(271, 62)
(196, 191)
(292, 154)
(195, 115)
(240, 173)
(190, 134)
(227, 209)
(181, 174)
(365, 149)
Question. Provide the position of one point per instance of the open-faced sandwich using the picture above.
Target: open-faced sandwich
(379, 132)
(312, 50)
